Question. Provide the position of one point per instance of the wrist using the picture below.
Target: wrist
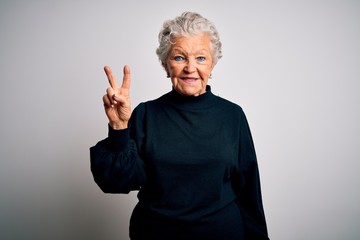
(118, 125)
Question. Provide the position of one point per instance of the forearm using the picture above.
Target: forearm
(115, 163)
(250, 202)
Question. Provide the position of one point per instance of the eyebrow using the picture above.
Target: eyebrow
(179, 50)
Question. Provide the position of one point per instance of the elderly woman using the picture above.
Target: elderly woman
(189, 152)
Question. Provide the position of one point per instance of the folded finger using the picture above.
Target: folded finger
(107, 102)
(111, 95)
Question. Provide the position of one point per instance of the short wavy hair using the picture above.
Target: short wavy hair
(188, 24)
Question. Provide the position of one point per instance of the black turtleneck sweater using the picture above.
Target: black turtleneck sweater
(194, 161)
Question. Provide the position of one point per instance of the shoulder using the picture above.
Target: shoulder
(152, 105)
(229, 105)
(232, 111)
(149, 104)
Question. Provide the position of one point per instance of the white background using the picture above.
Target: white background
(294, 66)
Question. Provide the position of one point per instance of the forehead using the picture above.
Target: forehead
(191, 44)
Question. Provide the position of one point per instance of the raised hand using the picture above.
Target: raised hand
(117, 99)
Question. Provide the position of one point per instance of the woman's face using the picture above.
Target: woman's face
(189, 64)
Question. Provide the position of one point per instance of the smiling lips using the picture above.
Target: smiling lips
(188, 79)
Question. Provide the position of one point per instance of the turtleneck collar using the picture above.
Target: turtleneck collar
(202, 101)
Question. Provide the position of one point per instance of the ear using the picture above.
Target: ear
(166, 69)
(213, 65)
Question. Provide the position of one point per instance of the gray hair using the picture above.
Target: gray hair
(189, 23)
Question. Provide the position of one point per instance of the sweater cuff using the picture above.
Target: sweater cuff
(118, 139)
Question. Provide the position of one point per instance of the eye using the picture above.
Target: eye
(178, 58)
(201, 59)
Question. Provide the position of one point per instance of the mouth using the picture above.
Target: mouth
(188, 79)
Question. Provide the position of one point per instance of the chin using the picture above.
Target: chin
(190, 90)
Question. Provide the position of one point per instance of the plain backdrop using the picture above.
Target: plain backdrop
(294, 67)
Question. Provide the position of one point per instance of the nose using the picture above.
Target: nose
(190, 66)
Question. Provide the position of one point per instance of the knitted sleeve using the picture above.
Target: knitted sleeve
(248, 185)
(115, 162)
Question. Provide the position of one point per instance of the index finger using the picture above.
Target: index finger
(111, 77)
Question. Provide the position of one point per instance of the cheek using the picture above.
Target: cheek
(206, 72)
(175, 69)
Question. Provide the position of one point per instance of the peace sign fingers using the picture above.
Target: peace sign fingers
(126, 78)
(117, 99)
(111, 77)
